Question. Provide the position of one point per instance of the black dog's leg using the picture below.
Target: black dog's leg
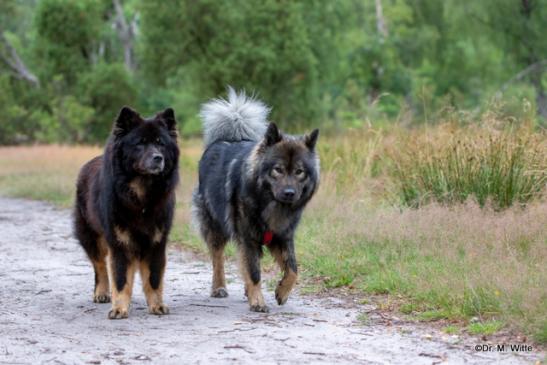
(152, 269)
(122, 268)
(96, 249)
(285, 257)
(250, 270)
(101, 293)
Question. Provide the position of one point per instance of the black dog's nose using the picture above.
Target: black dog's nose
(289, 193)
(158, 158)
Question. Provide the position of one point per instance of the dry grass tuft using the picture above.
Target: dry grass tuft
(449, 164)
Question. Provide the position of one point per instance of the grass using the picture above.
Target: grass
(448, 164)
(485, 328)
(459, 261)
(42, 172)
(451, 330)
(448, 262)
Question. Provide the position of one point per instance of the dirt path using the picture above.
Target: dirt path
(46, 314)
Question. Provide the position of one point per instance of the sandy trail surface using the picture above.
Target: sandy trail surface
(47, 316)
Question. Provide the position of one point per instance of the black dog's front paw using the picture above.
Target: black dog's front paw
(118, 313)
(158, 309)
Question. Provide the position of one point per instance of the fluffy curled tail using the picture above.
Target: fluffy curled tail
(237, 118)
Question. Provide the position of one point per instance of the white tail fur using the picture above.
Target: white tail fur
(239, 117)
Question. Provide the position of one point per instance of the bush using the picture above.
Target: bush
(66, 121)
(66, 32)
(106, 88)
(11, 114)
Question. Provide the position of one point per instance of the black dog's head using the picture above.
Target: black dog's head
(289, 166)
(146, 146)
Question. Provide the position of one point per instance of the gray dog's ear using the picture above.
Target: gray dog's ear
(311, 139)
(168, 117)
(272, 135)
(127, 120)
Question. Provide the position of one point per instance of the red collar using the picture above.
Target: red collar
(267, 238)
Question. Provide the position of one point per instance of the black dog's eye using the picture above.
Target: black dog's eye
(159, 141)
(142, 141)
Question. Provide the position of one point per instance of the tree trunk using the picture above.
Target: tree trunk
(541, 96)
(15, 62)
(380, 21)
(126, 33)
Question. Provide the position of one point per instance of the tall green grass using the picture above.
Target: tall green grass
(449, 165)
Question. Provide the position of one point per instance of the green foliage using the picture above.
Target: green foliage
(11, 113)
(66, 121)
(269, 47)
(106, 88)
(316, 62)
(66, 33)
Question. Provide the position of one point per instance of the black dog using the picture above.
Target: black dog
(124, 209)
(254, 183)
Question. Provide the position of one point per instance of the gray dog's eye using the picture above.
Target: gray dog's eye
(278, 170)
(299, 172)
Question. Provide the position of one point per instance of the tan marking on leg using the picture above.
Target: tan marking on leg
(216, 244)
(219, 277)
(121, 299)
(122, 235)
(279, 256)
(137, 188)
(158, 235)
(154, 297)
(102, 287)
(286, 284)
(254, 291)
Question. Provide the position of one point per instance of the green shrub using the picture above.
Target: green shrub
(106, 88)
(66, 32)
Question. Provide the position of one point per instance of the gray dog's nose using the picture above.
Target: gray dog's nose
(289, 193)
(158, 158)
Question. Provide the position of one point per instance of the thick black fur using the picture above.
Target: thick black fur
(129, 189)
(240, 196)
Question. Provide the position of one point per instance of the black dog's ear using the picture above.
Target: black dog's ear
(168, 116)
(126, 121)
(272, 135)
(311, 139)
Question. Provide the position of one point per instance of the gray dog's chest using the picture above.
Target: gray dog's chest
(276, 217)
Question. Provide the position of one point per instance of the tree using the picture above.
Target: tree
(518, 27)
(67, 36)
(269, 47)
(106, 88)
